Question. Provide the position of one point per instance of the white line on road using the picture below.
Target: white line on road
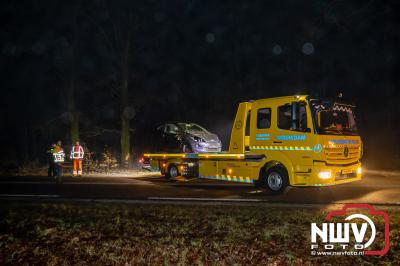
(141, 182)
(167, 202)
(184, 201)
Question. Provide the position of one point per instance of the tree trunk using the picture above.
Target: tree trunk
(74, 123)
(74, 127)
(125, 138)
(125, 141)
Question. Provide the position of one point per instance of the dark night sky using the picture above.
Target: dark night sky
(191, 60)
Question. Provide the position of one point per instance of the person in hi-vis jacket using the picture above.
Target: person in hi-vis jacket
(77, 154)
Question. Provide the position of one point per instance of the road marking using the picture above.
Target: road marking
(30, 196)
(204, 199)
(184, 201)
(255, 191)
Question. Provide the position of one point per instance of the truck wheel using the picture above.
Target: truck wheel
(172, 171)
(275, 180)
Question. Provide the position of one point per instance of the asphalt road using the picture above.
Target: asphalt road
(375, 188)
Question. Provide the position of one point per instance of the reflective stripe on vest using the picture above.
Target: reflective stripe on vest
(77, 152)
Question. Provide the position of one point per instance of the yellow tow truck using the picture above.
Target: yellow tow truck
(279, 142)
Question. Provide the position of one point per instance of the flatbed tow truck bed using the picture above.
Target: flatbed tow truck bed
(218, 166)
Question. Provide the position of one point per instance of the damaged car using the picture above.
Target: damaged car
(188, 138)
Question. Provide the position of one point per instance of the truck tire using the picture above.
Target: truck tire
(172, 171)
(275, 180)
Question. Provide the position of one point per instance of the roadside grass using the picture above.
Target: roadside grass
(111, 234)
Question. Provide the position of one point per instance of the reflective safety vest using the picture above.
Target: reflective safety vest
(77, 152)
(59, 156)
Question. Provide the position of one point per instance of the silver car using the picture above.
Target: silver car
(190, 137)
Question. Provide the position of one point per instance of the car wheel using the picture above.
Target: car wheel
(172, 171)
(275, 180)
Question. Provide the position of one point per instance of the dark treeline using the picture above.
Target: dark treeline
(110, 72)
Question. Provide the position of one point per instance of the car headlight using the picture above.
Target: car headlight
(325, 174)
(359, 170)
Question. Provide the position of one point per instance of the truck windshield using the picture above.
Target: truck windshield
(334, 118)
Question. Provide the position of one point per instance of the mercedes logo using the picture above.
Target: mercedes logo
(346, 151)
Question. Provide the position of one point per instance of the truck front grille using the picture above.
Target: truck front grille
(337, 155)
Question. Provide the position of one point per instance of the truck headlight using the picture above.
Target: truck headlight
(359, 170)
(325, 174)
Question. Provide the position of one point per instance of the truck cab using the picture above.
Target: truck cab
(315, 141)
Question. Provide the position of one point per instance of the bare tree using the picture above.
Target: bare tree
(74, 125)
(117, 33)
(126, 114)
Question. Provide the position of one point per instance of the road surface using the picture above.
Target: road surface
(375, 188)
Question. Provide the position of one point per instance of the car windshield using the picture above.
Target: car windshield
(191, 127)
(334, 118)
